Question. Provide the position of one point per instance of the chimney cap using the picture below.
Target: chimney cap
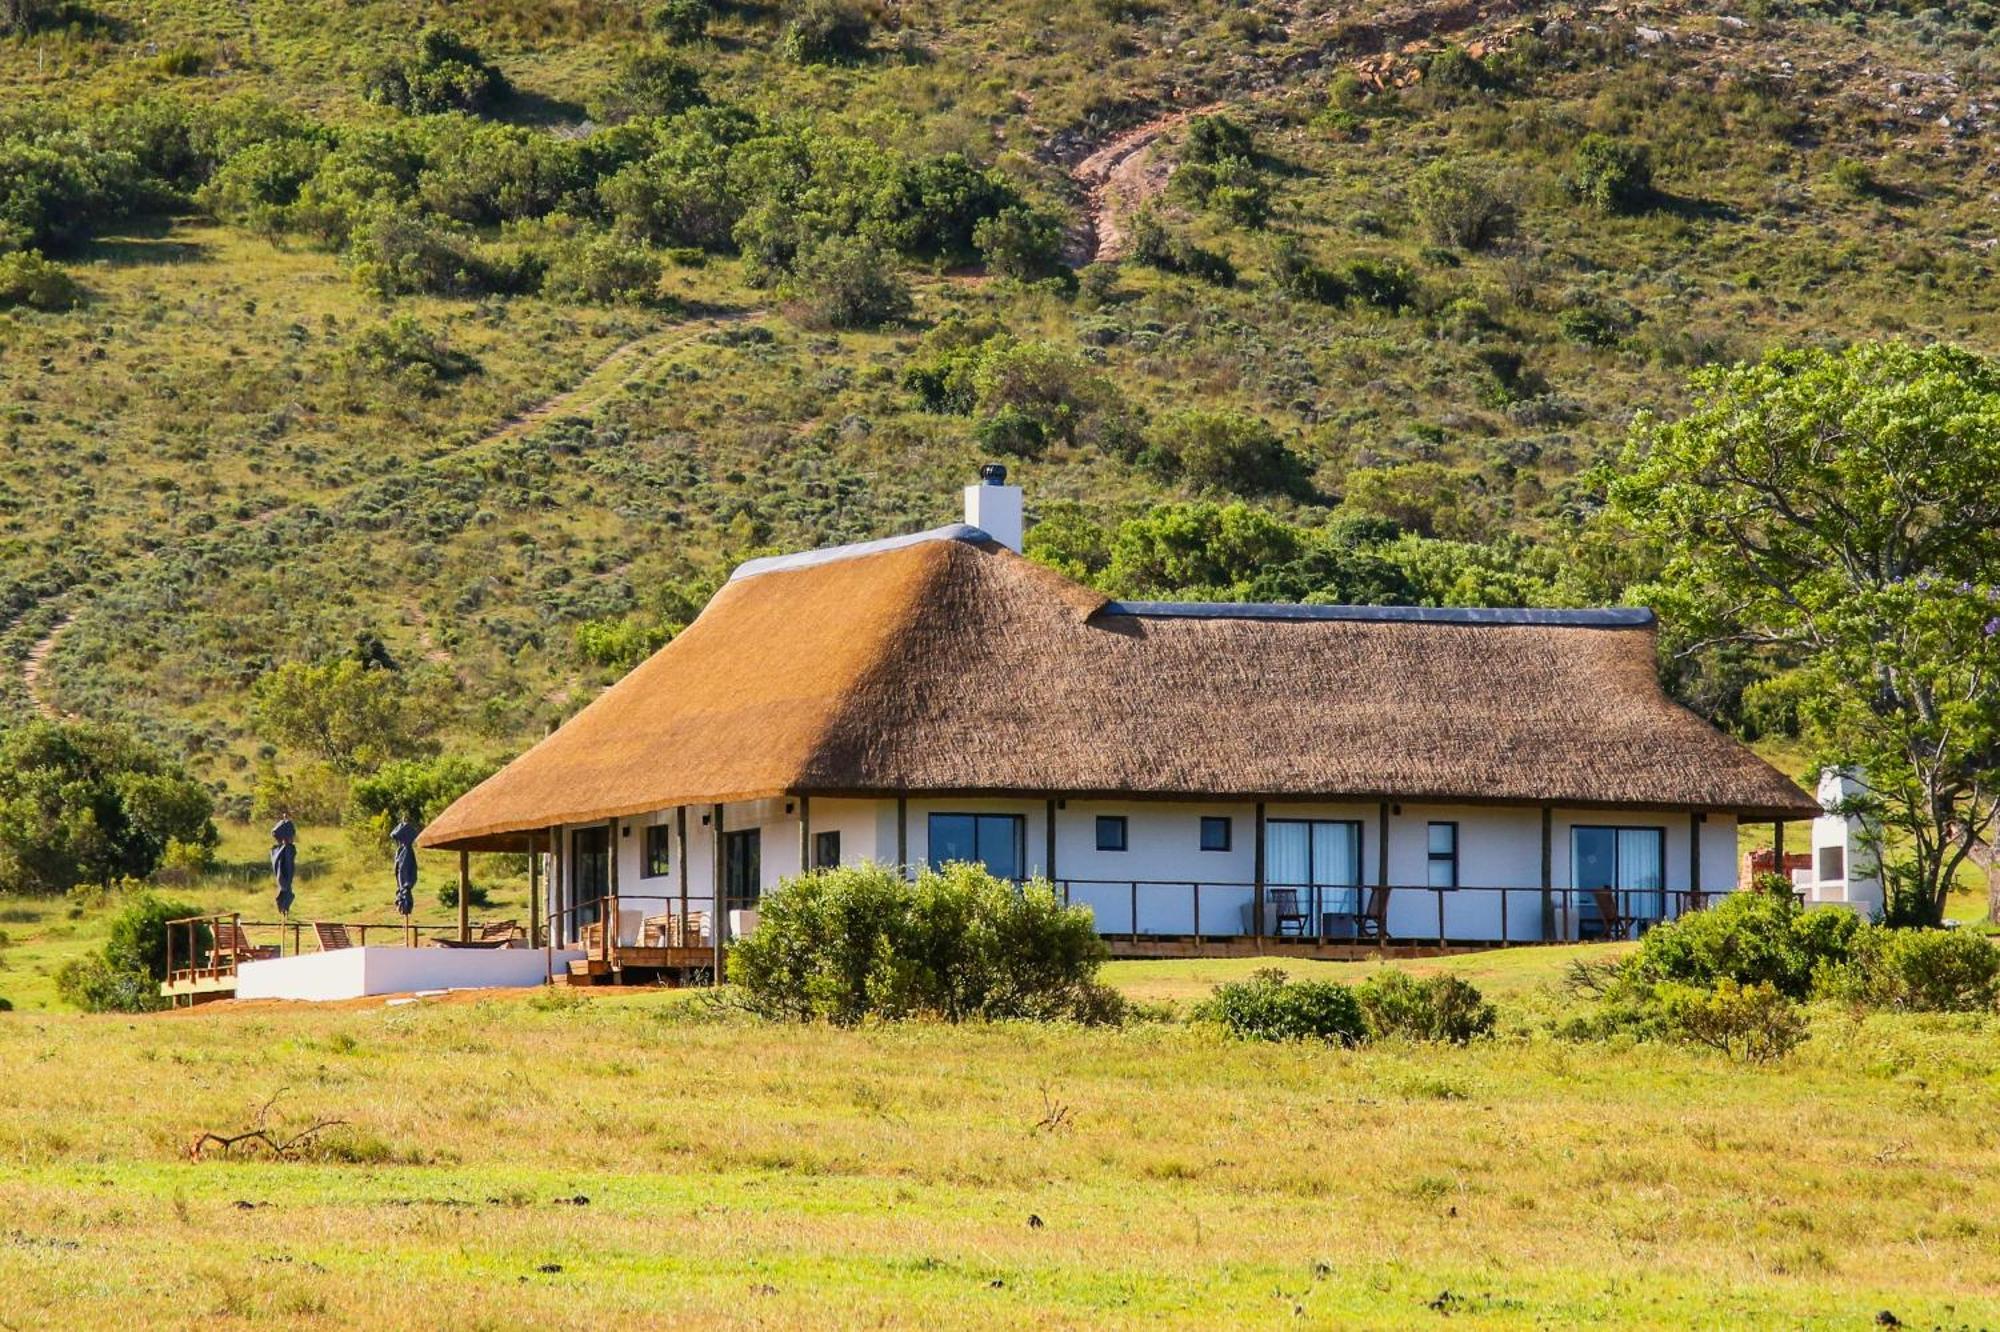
(993, 474)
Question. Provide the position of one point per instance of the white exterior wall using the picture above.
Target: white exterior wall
(1499, 848)
(351, 973)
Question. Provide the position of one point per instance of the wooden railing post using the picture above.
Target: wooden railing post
(465, 897)
(1503, 917)
(1440, 898)
(1257, 885)
(1135, 911)
(1196, 886)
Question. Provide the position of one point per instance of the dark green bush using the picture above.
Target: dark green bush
(125, 976)
(402, 251)
(1917, 970)
(846, 282)
(26, 278)
(1227, 452)
(407, 350)
(1459, 204)
(1612, 175)
(648, 83)
(1216, 138)
(1382, 283)
(1294, 272)
(443, 73)
(1270, 1007)
(1022, 243)
(413, 789)
(1751, 938)
(825, 32)
(682, 21)
(1441, 1007)
(843, 945)
(604, 269)
(1749, 1023)
(475, 896)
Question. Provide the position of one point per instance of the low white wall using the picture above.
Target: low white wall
(352, 973)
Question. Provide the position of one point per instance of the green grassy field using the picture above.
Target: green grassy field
(639, 1158)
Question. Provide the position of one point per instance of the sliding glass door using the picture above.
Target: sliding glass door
(1312, 868)
(1629, 863)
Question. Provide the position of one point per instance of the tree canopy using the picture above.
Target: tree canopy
(1838, 513)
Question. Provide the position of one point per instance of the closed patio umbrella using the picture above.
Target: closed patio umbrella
(284, 861)
(405, 838)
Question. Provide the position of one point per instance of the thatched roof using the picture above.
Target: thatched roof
(944, 663)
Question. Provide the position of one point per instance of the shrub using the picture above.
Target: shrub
(1022, 243)
(1611, 175)
(1442, 1007)
(400, 252)
(409, 351)
(648, 83)
(1749, 1023)
(1382, 283)
(1155, 246)
(1459, 205)
(26, 278)
(55, 188)
(1269, 1007)
(444, 73)
(22, 16)
(825, 32)
(604, 269)
(683, 21)
(1927, 971)
(475, 896)
(1751, 939)
(125, 976)
(842, 945)
(1216, 139)
(414, 789)
(846, 282)
(1457, 69)
(1226, 451)
(1231, 187)
(1855, 177)
(1295, 273)
(1041, 385)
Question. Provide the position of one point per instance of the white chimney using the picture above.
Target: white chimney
(994, 507)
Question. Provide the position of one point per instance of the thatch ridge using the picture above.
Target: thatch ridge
(947, 663)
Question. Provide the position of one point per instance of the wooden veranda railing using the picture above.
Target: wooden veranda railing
(209, 948)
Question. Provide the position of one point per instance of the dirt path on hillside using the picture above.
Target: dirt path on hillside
(34, 668)
(1117, 179)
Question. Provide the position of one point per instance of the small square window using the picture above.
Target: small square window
(1214, 834)
(659, 841)
(826, 850)
(1110, 832)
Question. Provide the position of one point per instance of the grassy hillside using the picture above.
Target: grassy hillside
(570, 1160)
(205, 474)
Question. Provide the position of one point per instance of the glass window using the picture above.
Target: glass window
(659, 840)
(742, 867)
(1214, 833)
(997, 841)
(826, 850)
(589, 872)
(1443, 841)
(1629, 863)
(1110, 832)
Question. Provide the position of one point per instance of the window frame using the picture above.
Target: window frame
(1434, 857)
(657, 862)
(1018, 830)
(822, 842)
(1222, 821)
(1119, 825)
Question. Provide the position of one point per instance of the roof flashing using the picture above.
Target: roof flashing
(812, 559)
(1603, 617)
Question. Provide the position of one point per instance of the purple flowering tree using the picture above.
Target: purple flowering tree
(1838, 514)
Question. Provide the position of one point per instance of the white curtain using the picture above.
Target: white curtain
(1287, 854)
(1641, 876)
(1335, 859)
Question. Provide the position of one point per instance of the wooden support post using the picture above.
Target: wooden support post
(1778, 850)
(1049, 840)
(1695, 819)
(1257, 881)
(465, 897)
(1548, 871)
(805, 835)
(534, 894)
(558, 890)
(903, 836)
(681, 831)
(611, 921)
(1382, 861)
(721, 920)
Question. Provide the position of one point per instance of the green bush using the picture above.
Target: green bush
(825, 32)
(443, 73)
(1441, 1007)
(409, 351)
(683, 21)
(603, 269)
(1925, 971)
(404, 252)
(1382, 283)
(1294, 272)
(1153, 245)
(475, 896)
(1269, 1007)
(414, 789)
(648, 83)
(1022, 243)
(1227, 452)
(846, 282)
(1750, 938)
(1611, 175)
(858, 942)
(1217, 138)
(26, 278)
(125, 976)
(1459, 205)
(1749, 1023)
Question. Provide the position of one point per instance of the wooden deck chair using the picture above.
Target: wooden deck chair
(332, 938)
(233, 946)
(507, 932)
(1616, 925)
(1291, 919)
(656, 931)
(1373, 922)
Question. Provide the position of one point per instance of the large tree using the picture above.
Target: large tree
(1839, 514)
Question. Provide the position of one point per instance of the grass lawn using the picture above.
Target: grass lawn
(738, 1174)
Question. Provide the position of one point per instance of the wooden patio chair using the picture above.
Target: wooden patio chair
(1291, 917)
(655, 931)
(1616, 924)
(506, 932)
(1373, 922)
(332, 938)
(233, 946)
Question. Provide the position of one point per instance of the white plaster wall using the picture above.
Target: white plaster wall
(351, 973)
